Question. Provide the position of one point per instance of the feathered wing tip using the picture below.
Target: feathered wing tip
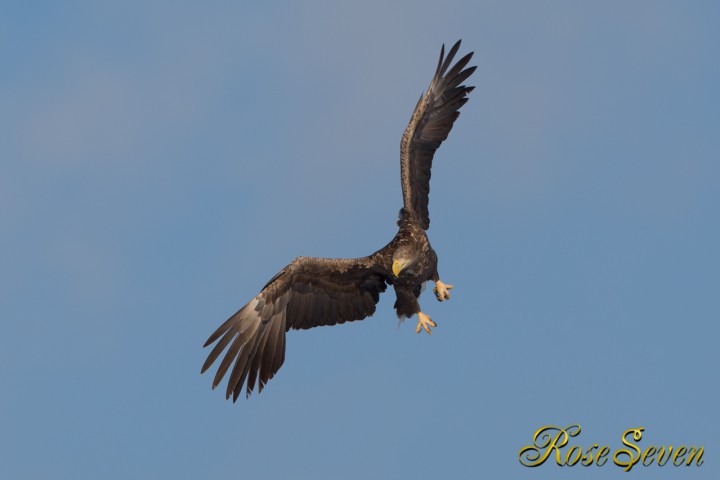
(442, 57)
(256, 339)
(443, 65)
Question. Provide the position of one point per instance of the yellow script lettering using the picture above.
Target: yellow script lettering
(632, 459)
(544, 443)
(691, 455)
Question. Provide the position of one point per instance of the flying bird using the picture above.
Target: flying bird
(311, 292)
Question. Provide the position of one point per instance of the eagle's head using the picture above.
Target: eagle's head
(404, 258)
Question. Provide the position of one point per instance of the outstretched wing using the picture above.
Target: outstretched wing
(309, 292)
(429, 126)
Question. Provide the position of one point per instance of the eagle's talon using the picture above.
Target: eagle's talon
(424, 322)
(442, 291)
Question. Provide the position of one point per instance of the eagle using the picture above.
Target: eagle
(312, 292)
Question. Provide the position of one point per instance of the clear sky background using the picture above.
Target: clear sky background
(161, 161)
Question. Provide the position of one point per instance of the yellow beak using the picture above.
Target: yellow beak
(397, 267)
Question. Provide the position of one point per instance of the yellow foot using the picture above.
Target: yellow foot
(442, 291)
(424, 322)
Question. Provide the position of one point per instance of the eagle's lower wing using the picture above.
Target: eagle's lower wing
(309, 292)
(429, 126)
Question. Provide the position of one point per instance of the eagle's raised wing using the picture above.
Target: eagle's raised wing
(309, 292)
(430, 124)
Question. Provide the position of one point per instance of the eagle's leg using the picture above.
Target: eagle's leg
(424, 322)
(442, 290)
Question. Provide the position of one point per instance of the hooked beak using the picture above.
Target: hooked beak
(397, 267)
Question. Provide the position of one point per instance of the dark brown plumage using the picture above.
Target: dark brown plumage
(312, 292)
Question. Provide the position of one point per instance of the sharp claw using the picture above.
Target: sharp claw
(442, 291)
(424, 323)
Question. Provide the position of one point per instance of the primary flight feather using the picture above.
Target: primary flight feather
(311, 292)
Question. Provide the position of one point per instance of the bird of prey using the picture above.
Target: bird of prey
(311, 292)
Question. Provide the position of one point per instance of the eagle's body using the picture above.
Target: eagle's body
(408, 284)
(311, 292)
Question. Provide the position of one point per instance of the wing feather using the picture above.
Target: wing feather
(430, 124)
(309, 292)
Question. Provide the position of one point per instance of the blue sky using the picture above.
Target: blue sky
(161, 161)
